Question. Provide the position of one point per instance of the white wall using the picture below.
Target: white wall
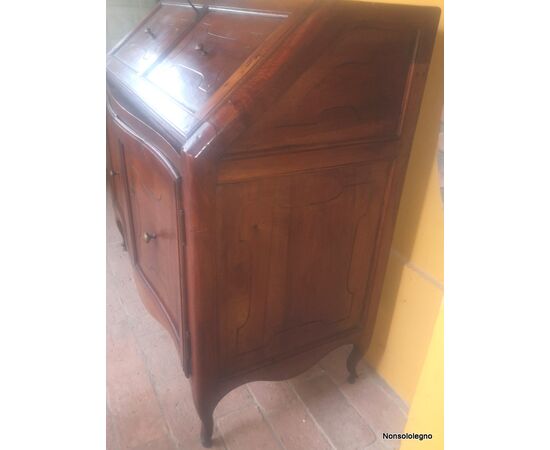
(123, 15)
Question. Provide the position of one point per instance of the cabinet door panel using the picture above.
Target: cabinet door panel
(153, 187)
(294, 258)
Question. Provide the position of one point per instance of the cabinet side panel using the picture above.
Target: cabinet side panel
(294, 256)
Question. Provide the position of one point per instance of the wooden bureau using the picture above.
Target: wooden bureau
(257, 152)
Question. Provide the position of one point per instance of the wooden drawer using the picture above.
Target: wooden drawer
(154, 37)
(207, 57)
(154, 206)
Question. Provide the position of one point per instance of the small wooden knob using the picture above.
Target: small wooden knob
(147, 237)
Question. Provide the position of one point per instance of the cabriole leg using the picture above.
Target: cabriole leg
(206, 431)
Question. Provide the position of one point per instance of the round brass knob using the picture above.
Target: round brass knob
(147, 237)
(112, 173)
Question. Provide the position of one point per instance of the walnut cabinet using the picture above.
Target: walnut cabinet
(256, 152)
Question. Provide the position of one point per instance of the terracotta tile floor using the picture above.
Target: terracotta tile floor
(149, 404)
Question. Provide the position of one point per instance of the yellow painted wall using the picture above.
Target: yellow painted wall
(413, 287)
(426, 413)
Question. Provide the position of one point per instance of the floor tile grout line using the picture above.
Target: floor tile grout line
(337, 386)
(386, 388)
(217, 425)
(371, 427)
(228, 413)
(310, 414)
(269, 424)
(237, 410)
(415, 268)
(382, 384)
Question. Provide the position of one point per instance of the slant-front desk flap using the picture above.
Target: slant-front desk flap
(181, 55)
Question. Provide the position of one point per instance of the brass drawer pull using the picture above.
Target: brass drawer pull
(147, 237)
(201, 50)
